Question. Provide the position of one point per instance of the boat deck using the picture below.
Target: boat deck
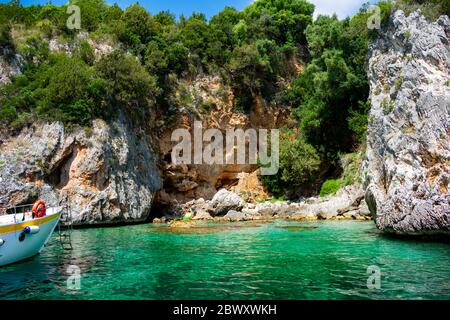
(18, 217)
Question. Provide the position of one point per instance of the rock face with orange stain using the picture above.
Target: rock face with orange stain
(208, 100)
(407, 167)
(109, 172)
(250, 187)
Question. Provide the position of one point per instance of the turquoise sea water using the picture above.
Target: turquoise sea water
(234, 261)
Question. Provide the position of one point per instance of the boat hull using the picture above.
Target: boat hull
(13, 249)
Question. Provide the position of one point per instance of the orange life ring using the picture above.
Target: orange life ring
(39, 209)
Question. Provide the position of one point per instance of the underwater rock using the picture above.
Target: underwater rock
(297, 228)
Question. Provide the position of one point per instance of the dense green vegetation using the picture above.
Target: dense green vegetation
(252, 51)
(330, 187)
(299, 166)
(331, 96)
(334, 85)
(351, 164)
(247, 48)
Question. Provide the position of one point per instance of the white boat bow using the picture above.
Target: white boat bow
(22, 237)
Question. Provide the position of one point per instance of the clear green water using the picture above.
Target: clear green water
(243, 262)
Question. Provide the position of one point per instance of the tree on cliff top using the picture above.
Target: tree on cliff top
(333, 84)
(64, 88)
(127, 83)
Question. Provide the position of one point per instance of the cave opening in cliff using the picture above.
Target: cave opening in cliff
(60, 175)
(159, 208)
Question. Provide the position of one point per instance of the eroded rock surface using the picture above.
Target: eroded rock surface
(211, 102)
(407, 167)
(109, 172)
(225, 201)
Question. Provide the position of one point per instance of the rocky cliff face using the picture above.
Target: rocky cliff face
(108, 171)
(208, 100)
(112, 174)
(407, 167)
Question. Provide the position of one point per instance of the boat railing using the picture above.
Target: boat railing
(21, 209)
(64, 221)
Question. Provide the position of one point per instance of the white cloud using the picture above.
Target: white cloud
(342, 8)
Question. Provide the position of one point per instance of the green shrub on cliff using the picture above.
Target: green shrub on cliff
(281, 21)
(358, 121)
(333, 86)
(139, 25)
(86, 53)
(254, 68)
(330, 187)
(63, 89)
(299, 165)
(127, 83)
(267, 35)
(92, 12)
(5, 35)
(69, 88)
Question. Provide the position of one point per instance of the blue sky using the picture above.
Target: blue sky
(342, 8)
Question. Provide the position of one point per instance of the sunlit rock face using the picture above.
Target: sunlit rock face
(108, 172)
(407, 167)
(210, 101)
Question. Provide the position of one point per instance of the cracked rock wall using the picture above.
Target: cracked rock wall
(407, 166)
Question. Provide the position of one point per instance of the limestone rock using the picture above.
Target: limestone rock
(250, 186)
(270, 209)
(363, 209)
(348, 203)
(202, 215)
(179, 224)
(233, 215)
(107, 172)
(346, 199)
(212, 103)
(407, 167)
(225, 201)
(10, 65)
